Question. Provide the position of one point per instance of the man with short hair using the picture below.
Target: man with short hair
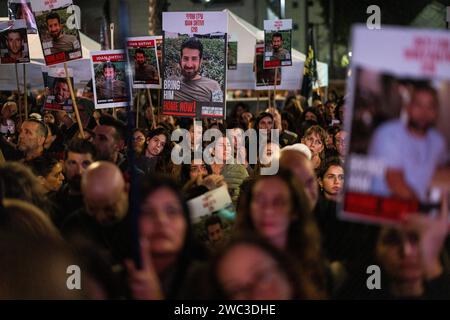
(193, 86)
(14, 43)
(109, 139)
(60, 42)
(32, 138)
(61, 91)
(108, 87)
(411, 151)
(278, 52)
(142, 70)
(214, 229)
(79, 155)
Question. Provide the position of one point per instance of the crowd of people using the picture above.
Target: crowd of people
(65, 201)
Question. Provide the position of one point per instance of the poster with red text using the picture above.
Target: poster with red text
(108, 74)
(58, 30)
(143, 58)
(277, 43)
(194, 64)
(398, 158)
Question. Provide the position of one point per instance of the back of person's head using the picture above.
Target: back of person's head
(81, 146)
(19, 182)
(119, 126)
(43, 165)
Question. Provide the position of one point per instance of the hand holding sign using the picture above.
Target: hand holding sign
(144, 283)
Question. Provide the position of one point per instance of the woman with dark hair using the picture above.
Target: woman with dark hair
(410, 256)
(194, 171)
(168, 249)
(139, 141)
(312, 113)
(49, 171)
(156, 152)
(250, 268)
(238, 109)
(278, 209)
(331, 179)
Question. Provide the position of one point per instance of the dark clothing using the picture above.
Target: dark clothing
(145, 73)
(114, 238)
(9, 151)
(66, 203)
(287, 138)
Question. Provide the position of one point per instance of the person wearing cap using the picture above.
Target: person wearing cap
(109, 87)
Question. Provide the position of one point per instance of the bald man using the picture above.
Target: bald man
(105, 193)
(303, 169)
(104, 219)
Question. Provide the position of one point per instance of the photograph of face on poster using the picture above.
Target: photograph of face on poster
(400, 140)
(277, 43)
(194, 64)
(108, 72)
(14, 42)
(142, 55)
(58, 97)
(58, 31)
(265, 78)
(21, 9)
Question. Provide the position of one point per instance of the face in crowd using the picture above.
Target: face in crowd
(156, 144)
(162, 222)
(246, 272)
(314, 142)
(74, 167)
(332, 182)
(138, 141)
(54, 180)
(30, 137)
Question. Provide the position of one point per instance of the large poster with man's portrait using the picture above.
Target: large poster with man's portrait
(14, 42)
(108, 73)
(58, 30)
(277, 43)
(58, 92)
(398, 110)
(143, 58)
(21, 9)
(194, 64)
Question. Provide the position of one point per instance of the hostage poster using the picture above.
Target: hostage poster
(277, 43)
(108, 74)
(58, 97)
(399, 106)
(194, 64)
(143, 57)
(14, 42)
(58, 30)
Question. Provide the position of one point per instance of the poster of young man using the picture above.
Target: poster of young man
(398, 157)
(194, 64)
(58, 97)
(265, 78)
(143, 58)
(232, 52)
(21, 9)
(213, 217)
(277, 43)
(14, 42)
(108, 73)
(58, 33)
